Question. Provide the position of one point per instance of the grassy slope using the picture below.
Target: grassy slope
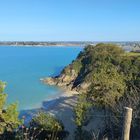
(132, 54)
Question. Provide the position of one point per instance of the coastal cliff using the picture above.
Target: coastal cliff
(106, 78)
(69, 79)
(92, 65)
(79, 74)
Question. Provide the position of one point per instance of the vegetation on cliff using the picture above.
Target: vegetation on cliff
(93, 62)
(114, 78)
(46, 122)
(107, 77)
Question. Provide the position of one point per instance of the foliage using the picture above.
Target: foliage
(47, 122)
(114, 78)
(76, 65)
(108, 69)
(8, 115)
(107, 85)
(36, 133)
(81, 110)
(42, 127)
(130, 99)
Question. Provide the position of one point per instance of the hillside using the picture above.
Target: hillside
(79, 74)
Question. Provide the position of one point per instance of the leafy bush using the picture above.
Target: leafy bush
(8, 114)
(46, 122)
(81, 110)
(43, 126)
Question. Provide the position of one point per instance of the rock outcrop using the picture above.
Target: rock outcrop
(64, 80)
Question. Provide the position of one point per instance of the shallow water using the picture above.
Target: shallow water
(22, 67)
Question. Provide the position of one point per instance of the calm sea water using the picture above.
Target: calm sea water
(23, 67)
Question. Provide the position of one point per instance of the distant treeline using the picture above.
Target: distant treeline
(38, 43)
(126, 45)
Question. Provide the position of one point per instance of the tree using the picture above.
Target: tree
(8, 115)
(44, 126)
(47, 122)
(108, 85)
(81, 110)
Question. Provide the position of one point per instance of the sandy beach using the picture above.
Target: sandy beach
(61, 107)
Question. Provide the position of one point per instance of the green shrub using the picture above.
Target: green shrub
(47, 122)
(8, 114)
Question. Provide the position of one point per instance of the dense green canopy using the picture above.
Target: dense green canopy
(114, 77)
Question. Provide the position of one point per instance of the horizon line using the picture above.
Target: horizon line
(65, 41)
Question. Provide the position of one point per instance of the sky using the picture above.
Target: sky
(69, 20)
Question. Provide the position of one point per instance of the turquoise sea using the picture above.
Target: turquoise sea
(22, 67)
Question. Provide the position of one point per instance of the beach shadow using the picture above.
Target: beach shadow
(60, 101)
(61, 107)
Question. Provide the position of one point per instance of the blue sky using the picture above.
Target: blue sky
(70, 20)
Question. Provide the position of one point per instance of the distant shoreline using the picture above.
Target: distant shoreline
(42, 46)
(127, 45)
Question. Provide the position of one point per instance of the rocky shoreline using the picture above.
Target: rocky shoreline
(66, 82)
(53, 81)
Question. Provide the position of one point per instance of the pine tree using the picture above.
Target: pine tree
(8, 114)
